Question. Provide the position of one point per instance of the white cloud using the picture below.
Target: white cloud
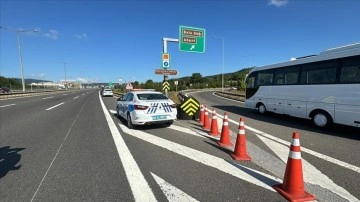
(52, 34)
(81, 36)
(278, 3)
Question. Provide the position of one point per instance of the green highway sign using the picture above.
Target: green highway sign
(191, 39)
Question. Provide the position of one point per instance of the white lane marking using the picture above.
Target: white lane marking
(83, 94)
(76, 97)
(171, 192)
(8, 105)
(55, 106)
(139, 186)
(67, 134)
(314, 153)
(312, 175)
(228, 98)
(112, 111)
(47, 97)
(204, 158)
(185, 130)
(64, 94)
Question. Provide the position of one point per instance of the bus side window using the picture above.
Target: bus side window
(265, 78)
(350, 70)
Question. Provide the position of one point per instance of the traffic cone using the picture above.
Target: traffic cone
(240, 146)
(214, 131)
(206, 125)
(293, 183)
(225, 137)
(201, 119)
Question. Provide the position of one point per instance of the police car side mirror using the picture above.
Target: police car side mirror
(120, 98)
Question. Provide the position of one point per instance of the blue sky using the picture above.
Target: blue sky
(108, 40)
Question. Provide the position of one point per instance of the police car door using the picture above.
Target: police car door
(127, 102)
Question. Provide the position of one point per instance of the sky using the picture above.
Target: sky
(121, 40)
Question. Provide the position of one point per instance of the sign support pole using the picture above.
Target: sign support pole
(165, 41)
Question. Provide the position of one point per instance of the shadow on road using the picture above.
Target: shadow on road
(9, 158)
(293, 122)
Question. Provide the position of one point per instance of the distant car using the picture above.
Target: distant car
(107, 92)
(4, 90)
(145, 108)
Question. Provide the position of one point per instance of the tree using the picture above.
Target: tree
(196, 78)
(149, 84)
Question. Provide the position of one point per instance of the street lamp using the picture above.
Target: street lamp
(20, 56)
(65, 73)
(223, 60)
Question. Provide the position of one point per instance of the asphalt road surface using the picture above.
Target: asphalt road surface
(71, 147)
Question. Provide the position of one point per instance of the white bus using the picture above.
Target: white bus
(324, 88)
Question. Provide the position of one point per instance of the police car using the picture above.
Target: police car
(146, 107)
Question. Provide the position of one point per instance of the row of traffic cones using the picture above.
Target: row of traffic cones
(292, 187)
(240, 146)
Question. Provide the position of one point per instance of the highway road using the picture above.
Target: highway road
(71, 147)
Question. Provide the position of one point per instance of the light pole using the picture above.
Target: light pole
(20, 56)
(223, 60)
(65, 73)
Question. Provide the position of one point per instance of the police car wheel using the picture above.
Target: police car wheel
(129, 122)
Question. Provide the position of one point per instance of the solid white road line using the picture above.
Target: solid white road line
(171, 192)
(55, 106)
(47, 97)
(312, 175)
(204, 158)
(7, 105)
(139, 186)
(314, 153)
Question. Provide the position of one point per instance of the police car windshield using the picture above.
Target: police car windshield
(151, 96)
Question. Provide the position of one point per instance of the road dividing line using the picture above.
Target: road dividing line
(171, 192)
(303, 149)
(7, 105)
(76, 97)
(55, 106)
(58, 151)
(207, 159)
(139, 186)
(47, 97)
(312, 175)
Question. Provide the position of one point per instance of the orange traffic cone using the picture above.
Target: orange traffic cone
(201, 119)
(240, 146)
(225, 137)
(206, 125)
(214, 131)
(293, 184)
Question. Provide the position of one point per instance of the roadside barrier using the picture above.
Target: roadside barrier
(293, 183)
(214, 131)
(206, 124)
(240, 146)
(225, 135)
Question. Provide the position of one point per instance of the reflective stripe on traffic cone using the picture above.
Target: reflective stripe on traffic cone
(240, 146)
(293, 184)
(206, 125)
(201, 119)
(214, 131)
(225, 136)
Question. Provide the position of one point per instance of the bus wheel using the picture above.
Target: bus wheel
(261, 108)
(321, 119)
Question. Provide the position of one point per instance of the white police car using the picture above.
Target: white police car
(146, 107)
